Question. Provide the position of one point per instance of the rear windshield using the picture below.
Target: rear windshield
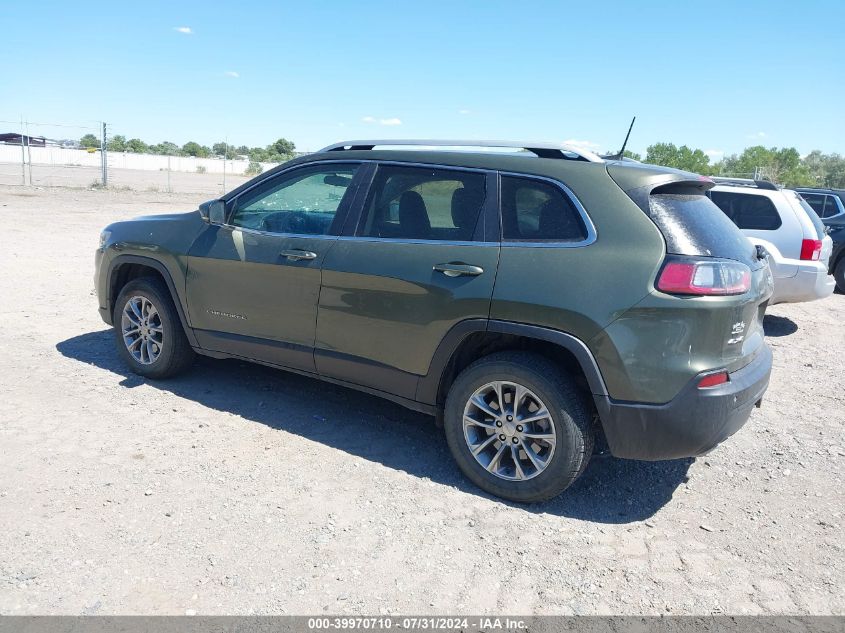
(693, 225)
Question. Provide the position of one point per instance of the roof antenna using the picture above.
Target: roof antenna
(621, 153)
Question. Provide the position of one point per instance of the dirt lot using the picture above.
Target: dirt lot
(238, 489)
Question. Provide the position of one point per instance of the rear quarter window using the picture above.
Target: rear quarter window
(538, 211)
(747, 210)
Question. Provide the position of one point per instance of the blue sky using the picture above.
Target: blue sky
(718, 75)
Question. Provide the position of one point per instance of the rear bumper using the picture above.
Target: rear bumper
(692, 423)
(811, 282)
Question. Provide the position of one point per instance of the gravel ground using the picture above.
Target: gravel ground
(238, 489)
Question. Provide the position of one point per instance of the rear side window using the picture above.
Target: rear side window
(421, 203)
(538, 211)
(692, 225)
(748, 211)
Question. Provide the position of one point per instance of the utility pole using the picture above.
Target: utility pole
(23, 157)
(225, 151)
(104, 157)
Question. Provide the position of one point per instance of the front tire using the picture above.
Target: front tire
(518, 427)
(148, 332)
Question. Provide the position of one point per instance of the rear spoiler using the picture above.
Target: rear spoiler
(641, 181)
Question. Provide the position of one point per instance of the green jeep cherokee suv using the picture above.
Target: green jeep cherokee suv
(525, 297)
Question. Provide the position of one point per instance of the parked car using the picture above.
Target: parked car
(522, 297)
(827, 203)
(837, 257)
(790, 231)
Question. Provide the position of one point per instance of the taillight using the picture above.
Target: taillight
(690, 276)
(713, 380)
(811, 250)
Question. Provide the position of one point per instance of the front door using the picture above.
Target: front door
(253, 283)
(417, 265)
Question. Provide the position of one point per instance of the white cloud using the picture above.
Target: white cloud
(714, 153)
(372, 119)
(231, 73)
(464, 111)
(588, 145)
(758, 135)
(183, 29)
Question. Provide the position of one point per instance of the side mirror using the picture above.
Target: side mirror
(213, 211)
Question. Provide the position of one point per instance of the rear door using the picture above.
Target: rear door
(418, 261)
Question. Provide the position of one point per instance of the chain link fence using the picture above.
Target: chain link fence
(53, 155)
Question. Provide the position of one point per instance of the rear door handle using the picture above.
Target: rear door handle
(296, 255)
(456, 270)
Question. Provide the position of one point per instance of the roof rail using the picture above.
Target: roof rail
(541, 150)
(745, 182)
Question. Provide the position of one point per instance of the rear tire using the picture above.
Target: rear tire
(560, 443)
(839, 275)
(148, 332)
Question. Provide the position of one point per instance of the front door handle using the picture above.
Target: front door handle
(456, 270)
(296, 255)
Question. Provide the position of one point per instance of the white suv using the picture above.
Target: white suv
(788, 228)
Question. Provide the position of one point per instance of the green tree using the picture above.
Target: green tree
(253, 169)
(89, 140)
(117, 143)
(167, 148)
(632, 155)
(782, 166)
(195, 149)
(137, 146)
(825, 170)
(219, 148)
(669, 155)
(280, 151)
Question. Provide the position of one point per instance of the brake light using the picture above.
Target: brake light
(704, 277)
(811, 250)
(714, 380)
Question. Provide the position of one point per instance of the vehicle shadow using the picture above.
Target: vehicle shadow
(610, 491)
(778, 326)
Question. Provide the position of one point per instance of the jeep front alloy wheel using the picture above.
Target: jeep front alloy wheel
(148, 332)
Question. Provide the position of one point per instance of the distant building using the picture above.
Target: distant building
(13, 138)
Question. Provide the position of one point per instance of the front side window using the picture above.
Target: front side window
(534, 210)
(423, 203)
(304, 201)
(748, 211)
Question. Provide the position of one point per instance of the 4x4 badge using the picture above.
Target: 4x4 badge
(738, 328)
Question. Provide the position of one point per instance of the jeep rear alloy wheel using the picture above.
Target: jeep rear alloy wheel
(143, 333)
(509, 430)
(518, 426)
